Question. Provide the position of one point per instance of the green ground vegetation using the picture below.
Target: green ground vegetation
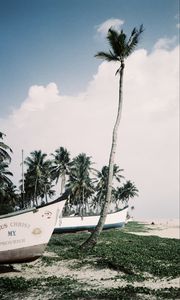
(136, 258)
(124, 252)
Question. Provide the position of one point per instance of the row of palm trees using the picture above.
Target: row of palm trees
(87, 186)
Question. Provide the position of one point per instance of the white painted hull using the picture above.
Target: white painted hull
(25, 234)
(76, 223)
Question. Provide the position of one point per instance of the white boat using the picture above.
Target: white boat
(76, 223)
(24, 234)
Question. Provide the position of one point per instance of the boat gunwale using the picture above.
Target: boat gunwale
(35, 208)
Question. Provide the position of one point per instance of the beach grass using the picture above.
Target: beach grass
(135, 259)
(65, 289)
(122, 251)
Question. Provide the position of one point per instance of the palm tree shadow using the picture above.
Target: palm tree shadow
(7, 269)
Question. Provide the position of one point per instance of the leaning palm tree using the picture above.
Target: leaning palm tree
(121, 48)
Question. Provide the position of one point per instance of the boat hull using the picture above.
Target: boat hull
(88, 223)
(24, 254)
(25, 234)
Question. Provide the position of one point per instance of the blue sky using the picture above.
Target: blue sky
(55, 40)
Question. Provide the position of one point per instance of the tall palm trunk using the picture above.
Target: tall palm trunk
(100, 199)
(82, 204)
(35, 193)
(92, 240)
(63, 181)
(46, 198)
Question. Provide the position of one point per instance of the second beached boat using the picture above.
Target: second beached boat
(77, 223)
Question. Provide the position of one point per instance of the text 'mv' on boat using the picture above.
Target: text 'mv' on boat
(77, 223)
(24, 234)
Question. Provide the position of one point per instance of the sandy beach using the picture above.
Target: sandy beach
(165, 228)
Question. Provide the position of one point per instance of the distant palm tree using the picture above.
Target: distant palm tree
(80, 183)
(4, 155)
(8, 197)
(118, 196)
(101, 187)
(116, 173)
(102, 183)
(60, 166)
(129, 190)
(5, 181)
(36, 177)
(46, 188)
(4, 173)
(121, 48)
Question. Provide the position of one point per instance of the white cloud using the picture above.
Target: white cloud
(178, 25)
(103, 28)
(166, 43)
(148, 135)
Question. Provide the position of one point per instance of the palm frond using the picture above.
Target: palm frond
(113, 39)
(118, 70)
(4, 155)
(121, 47)
(133, 40)
(107, 56)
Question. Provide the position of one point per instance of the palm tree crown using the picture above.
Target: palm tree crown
(121, 47)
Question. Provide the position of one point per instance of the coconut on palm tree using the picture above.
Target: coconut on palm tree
(120, 49)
